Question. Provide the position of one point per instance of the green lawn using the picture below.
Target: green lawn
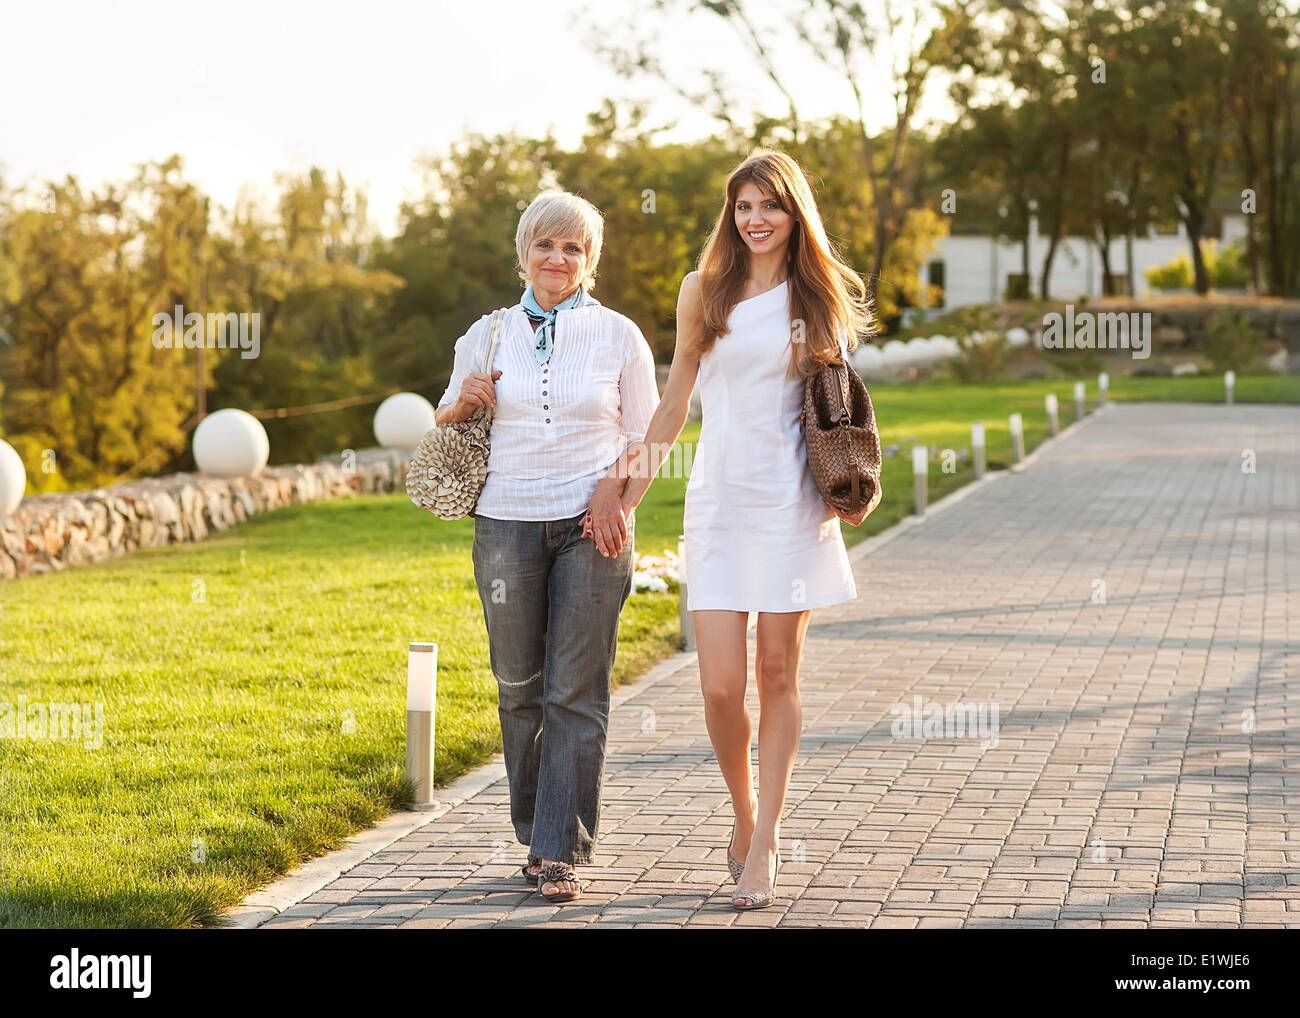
(261, 724)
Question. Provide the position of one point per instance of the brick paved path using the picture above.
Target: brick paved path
(1130, 784)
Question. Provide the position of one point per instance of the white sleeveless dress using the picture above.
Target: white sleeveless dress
(758, 535)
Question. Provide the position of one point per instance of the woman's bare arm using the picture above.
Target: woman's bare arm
(642, 461)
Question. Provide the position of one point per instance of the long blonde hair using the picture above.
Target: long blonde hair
(826, 295)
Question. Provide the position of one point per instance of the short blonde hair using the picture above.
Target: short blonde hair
(556, 214)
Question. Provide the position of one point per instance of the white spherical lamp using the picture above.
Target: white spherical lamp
(1017, 336)
(402, 420)
(231, 443)
(13, 479)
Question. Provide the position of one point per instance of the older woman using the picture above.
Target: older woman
(572, 384)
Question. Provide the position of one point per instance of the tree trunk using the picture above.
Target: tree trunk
(1252, 253)
(1128, 261)
(1024, 262)
(1043, 288)
(1058, 213)
(1279, 158)
(1130, 206)
(1195, 223)
(1103, 248)
(1250, 161)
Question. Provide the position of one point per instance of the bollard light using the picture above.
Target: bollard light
(685, 621)
(1053, 416)
(977, 447)
(1080, 400)
(1103, 388)
(1017, 438)
(920, 474)
(421, 704)
(1229, 383)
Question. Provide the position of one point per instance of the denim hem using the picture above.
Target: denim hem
(575, 858)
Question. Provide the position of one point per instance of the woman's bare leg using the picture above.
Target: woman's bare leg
(720, 643)
(776, 668)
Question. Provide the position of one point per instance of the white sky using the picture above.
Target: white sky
(243, 90)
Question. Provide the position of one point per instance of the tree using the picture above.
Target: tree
(890, 46)
(1263, 89)
(86, 272)
(1186, 75)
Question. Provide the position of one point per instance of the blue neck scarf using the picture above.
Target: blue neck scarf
(545, 334)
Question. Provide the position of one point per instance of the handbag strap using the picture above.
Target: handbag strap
(837, 373)
(840, 373)
(494, 335)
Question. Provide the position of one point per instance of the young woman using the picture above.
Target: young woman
(572, 383)
(770, 303)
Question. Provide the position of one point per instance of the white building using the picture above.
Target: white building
(979, 269)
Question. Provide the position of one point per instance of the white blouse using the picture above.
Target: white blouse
(558, 427)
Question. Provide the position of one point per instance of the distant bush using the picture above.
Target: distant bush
(1174, 275)
(1227, 269)
(982, 361)
(1081, 362)
(985, 352)
(1231, 342)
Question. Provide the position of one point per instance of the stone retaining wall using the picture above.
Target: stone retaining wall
(49, 532)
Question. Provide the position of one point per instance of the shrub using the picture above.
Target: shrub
(1174, 275)
(1226, 269)
(985, 352)
(1077, 363)
(981, 361)
(1232, 343)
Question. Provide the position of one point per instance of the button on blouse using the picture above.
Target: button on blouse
(547, 454)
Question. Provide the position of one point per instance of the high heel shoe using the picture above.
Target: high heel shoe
(758, 899)
(735, 866)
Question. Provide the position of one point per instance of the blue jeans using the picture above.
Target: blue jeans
(551, 603)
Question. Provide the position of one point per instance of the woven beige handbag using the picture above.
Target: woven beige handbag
(449, 466)
(842, 441)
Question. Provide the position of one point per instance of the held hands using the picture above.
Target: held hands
(606, 519)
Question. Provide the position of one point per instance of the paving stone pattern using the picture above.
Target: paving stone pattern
(1130, 602)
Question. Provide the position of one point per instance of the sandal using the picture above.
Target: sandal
(736, 867)
(758, 899)
(532, 861)
(554, 873)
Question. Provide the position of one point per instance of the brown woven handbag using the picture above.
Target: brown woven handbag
(842, 441)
